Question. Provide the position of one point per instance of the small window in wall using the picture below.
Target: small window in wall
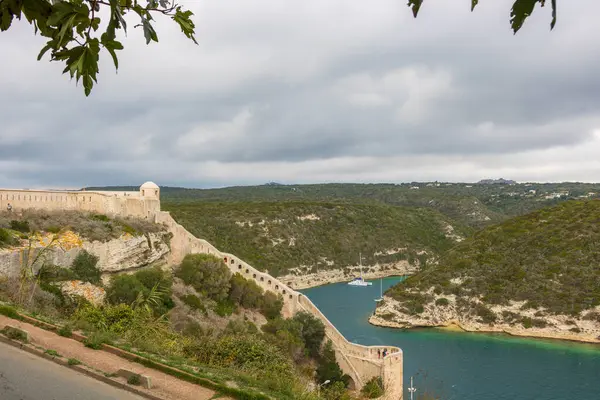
(276, 286)
(240, 266)
(90, 199)
(233, 261)
(247, 270)
(284, 292)
(262, 278)
(225, 258)
(254, 276)
(156, 192)
(269, 282)
(291, 296)
(19, 197)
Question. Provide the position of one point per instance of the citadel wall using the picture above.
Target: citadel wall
(360, 362)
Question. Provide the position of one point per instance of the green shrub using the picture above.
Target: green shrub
(97, 339)
(207, 274)
(150, 277)
(100, 217)
(486, 315)
(20, 226)
(313, 332)
(15, 334)
(194, 302)
(52, 353)
(53, 229)
(115, 319)
(84, 266)
(6, 238)
(373, 388)
(271, 305)
(134, 379)
(329, 369)
(575, 330)
(73, 361)
(124, 289)
(54, 273)
(9, 312)
(65, 331)
(442, 301)
(225, 308)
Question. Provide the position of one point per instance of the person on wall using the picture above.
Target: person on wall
(9, 207)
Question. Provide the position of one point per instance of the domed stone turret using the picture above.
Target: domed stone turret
(150, 189)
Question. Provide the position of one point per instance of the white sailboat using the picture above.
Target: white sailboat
(380, 290)
(359, 281)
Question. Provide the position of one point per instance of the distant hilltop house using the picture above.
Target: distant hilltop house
(500, 181)
(144, 203)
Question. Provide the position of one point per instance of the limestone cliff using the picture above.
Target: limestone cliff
(124, 253)
(511, 319)
(301, 279)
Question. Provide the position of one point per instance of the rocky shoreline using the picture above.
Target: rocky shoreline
(558, 327)
(329, 276)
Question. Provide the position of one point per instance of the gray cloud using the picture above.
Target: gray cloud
(313, 92)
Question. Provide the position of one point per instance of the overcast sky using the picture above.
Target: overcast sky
(314, 91)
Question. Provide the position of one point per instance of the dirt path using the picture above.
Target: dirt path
(165, 386)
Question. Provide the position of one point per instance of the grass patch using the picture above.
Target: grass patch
(73, 361)
(52, 353)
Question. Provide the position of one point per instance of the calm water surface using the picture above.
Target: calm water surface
(467, 366)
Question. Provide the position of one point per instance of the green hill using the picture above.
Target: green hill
(548, 259)
(475, 205)
(279, 236)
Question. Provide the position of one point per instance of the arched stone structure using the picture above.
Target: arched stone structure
(360, 362)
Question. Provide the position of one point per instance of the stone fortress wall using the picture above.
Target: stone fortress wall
(360, 362)
(142, 204)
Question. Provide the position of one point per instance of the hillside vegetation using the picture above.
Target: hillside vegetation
(284, 235)
(472, 204)
(19, 225)
(549, 259)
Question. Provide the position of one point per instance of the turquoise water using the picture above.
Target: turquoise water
(467, 366)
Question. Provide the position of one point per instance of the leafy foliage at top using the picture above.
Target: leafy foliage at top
(73, 28)
(549, 258)
(520, 11)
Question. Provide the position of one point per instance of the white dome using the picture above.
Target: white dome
(149, 185)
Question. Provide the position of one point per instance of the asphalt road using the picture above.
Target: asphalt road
(24, 376)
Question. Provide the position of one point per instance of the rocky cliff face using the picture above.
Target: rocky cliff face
(124, 253)
(511, 319)
(300, 279)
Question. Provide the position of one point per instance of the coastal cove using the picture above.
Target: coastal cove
(467, 366)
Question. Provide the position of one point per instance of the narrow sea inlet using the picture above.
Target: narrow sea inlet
(467, 366)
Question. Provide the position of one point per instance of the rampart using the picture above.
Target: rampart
(142, 204)
(360, 362)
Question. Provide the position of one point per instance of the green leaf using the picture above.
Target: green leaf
(521, 9)
(111, 45)
(415, 5)
(149, 32)
(47, 47)
(554, 11)
(8, 10)
(474, 4)
(183, 18)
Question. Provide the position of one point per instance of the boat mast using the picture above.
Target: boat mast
(360, 264)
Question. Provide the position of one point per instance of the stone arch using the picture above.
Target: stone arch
(351, 383)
